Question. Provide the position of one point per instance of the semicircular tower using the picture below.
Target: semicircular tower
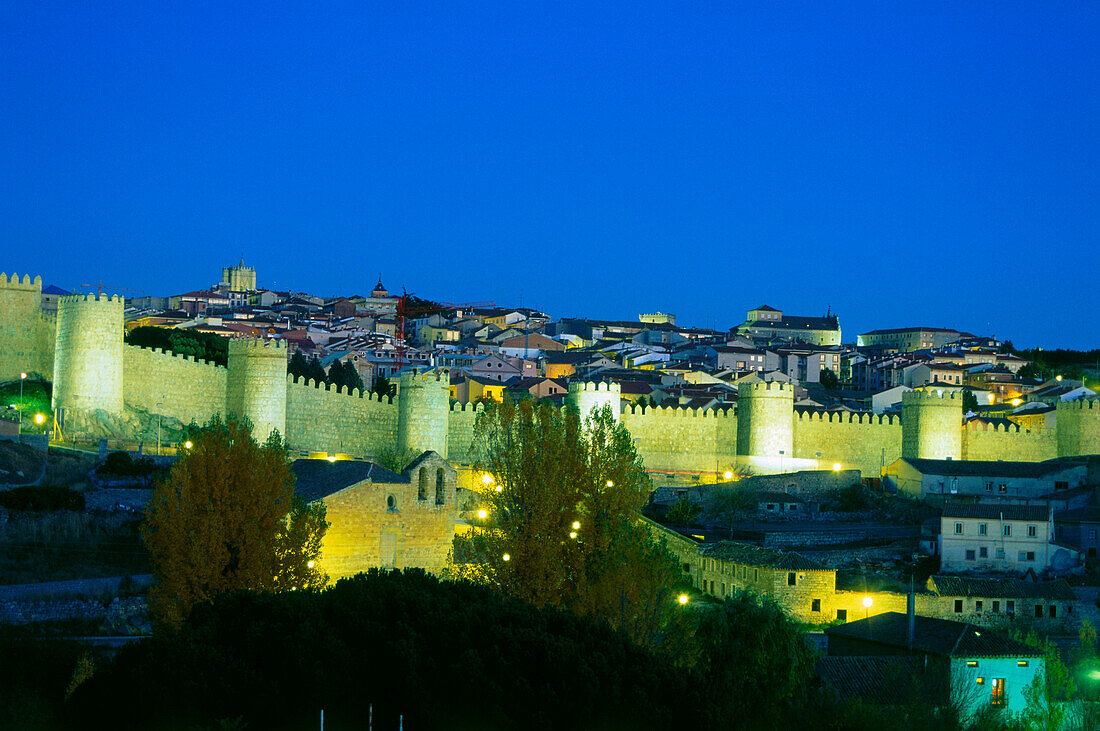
(765, 420)
(931, 424)
(423, 411)
(588, 396)
(256, 385)
(88, 346)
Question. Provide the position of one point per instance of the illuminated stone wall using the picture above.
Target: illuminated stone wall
(88, 360)
(856, 441)
(931, 424)
(336, 422)
(26, 333)
(423, 408)
(683, 440)
(256, 385)
(186, 389)
(765, 420)
(367, 530)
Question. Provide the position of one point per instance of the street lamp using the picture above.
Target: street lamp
(39, 418)
(867, 607)
(836, 466)
(482, 514)
(683, 599)
(159, 403)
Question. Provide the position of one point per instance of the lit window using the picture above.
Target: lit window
(998, 696)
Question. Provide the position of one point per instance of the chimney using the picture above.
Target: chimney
(910, 610)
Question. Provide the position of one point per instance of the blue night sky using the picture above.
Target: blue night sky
(903, 163)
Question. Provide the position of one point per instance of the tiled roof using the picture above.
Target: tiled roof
(884, 679)
(750, 555)
(933, 636)
(978, 468)
(996, 512)
(319, 478)
(896, 330)
(1088, 514)
(795, 322)
(1012, 588)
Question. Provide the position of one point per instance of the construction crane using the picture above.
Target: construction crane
(100, 286)
(404, 311)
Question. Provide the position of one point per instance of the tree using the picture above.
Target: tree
(828, 379)
(382, 387)
(298, 365)
(343, 373)
(970, 401)
(683, 512)
(564, 516)
(226, 518)
(316, 371)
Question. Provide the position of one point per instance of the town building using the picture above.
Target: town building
(907, 339)
(767, 324)
(1002, 538)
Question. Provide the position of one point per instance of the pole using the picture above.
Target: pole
(19, 424)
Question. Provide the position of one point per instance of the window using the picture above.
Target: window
(983, 552)
(978, 606)
(958, 529)
(958, 606)
(1092, 535)
(842, 615)
(1052, 611)
(989, 487)
(1022, 663)
(1030, 555)
(440, 488)
(1032, 531)
(792, 579)
(1010, 606)
(1000, 553)
(1002, 488)
(1038, 610)
(972, 663)
(998, 698)
(815, 605)
(1007, 530)
(391, 503)
(970, 555)
(1023, 556)
(422, 488)
(996, 606)
(982, 528)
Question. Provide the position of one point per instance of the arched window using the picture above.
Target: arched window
(422, 490)
(440, 488)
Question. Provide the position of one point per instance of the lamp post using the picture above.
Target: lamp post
(19, 424)
(159, 403)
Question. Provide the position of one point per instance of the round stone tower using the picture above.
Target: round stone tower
(931, 424)
(1077, 427)
(87, 369)
(588, 396)
(256, 385)
(423, 411)
(765, 420)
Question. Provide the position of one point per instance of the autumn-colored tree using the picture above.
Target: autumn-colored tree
(563, 516)
(226, 518)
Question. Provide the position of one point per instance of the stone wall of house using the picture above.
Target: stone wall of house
(369, 529)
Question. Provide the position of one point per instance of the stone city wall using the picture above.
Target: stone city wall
(186, 389)
(856, 441)
(324, 419)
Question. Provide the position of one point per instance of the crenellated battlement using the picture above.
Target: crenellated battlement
(766, 388)
(473, 408)
(1090, 404)
(113, 300)
(976, 426)
(258, 347)
(847, 417)
(933, 396)
(675, 412)
(595, 386)
(354, 393)
(26, 284)
(177, 357)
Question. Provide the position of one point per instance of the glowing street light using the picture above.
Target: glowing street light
(188, 444)
(483, 514)
(39, 418)
(507, 557)
(19, 424)
(486, 479)
(836, 466)
(728, 475)
(309, 564)
(500, 489)
(867, 602)
(573, 535)
(576, 525)
(610, 483)
(683, 599)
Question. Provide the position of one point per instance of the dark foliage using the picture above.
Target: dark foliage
(34, 675)
(42, 498)
(205, 346)
(443, 655)
(828, 379)
(121, 464)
